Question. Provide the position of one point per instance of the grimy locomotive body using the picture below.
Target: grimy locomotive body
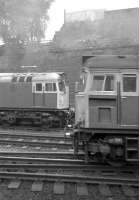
(37, 98)
(107, 109)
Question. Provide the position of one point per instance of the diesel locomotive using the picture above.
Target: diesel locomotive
(107, 109)
(36, 98)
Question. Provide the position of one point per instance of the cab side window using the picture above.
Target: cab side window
(98, 83)
(29, 79)
(129, 82)
(14, 79)
(61, 85)
(103, 83)
(109, 83)
(50, 87)
(38, 87)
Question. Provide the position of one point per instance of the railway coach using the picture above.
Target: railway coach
(39, 98)
(107, 109)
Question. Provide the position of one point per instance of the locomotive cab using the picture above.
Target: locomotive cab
(36, 98)
(50, 90)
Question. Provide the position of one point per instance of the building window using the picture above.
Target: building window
(129, 82)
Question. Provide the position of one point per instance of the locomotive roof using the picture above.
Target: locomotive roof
(113, 62)
(8, 77)
(46, 76)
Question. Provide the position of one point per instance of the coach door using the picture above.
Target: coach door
(129, 99)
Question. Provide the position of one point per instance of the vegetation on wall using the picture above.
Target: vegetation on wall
(23, 20)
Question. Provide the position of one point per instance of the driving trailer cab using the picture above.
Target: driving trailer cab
(107, 108)
(111, 95)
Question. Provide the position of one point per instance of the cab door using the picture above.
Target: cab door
(129, 99)
(103, 100)
(63, 95)
(37, 92)
(50, 95)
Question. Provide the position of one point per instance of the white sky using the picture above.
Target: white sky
(56, 11)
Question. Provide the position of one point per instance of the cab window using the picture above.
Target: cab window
(103, 83)
(61, 85)
(14, 79)
(29, 79)
(98, 83)
(109, 83)
(129, 82)
(38, 87)
(50, 87)
(21, 78)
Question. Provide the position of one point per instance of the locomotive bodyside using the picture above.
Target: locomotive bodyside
(38, 97)
(107, 114)
(15, 95)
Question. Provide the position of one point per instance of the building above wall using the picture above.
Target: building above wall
(83, 16)
(89, 29)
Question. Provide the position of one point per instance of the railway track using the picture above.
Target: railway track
(70, 178)
(47, 143)
(29, 128)
(16, 159)
(35, 131)
(51, 135)
(44, 154)
(64, 164)
(71, 173)
(58, 167)
(60, 172)
(45, 140)
(75, 166)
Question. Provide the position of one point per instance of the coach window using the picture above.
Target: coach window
(38, 87)
(129, 82)
(50, 87)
